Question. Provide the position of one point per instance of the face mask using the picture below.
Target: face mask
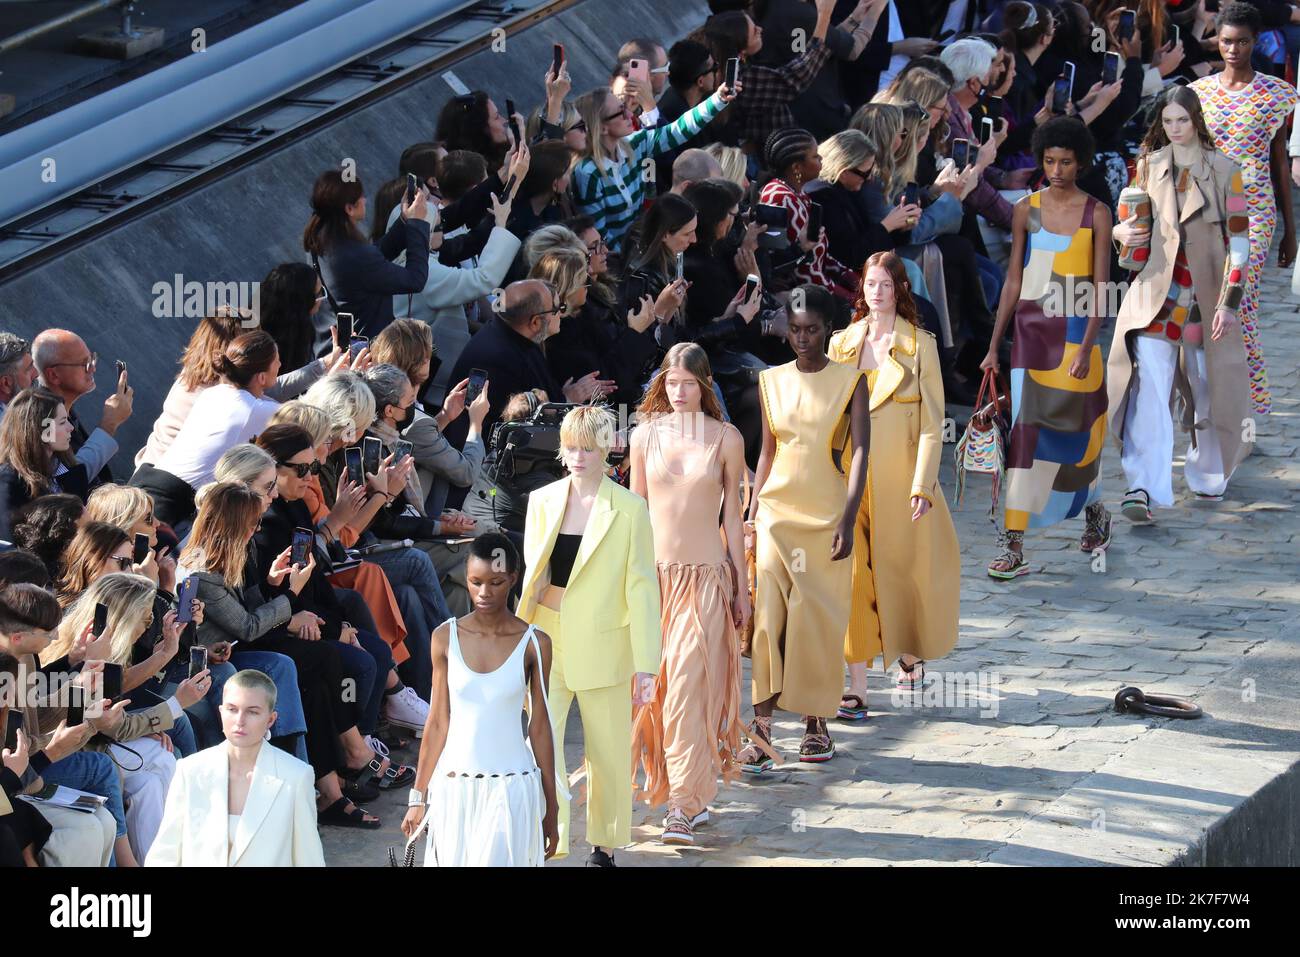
(406, 418)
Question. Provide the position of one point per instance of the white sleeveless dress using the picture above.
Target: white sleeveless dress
(485, 795)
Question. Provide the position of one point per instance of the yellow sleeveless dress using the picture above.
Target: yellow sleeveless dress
(802, 598)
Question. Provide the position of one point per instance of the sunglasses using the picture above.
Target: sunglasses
(302, 469)
(862, 174)
(578, 127)
(622, 111)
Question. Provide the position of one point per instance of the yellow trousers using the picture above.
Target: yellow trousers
(607, 741)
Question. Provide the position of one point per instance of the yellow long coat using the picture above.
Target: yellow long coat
(906, 575)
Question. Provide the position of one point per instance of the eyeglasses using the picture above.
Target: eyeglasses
(661, 70)
(88, 364)
(599, 247)
(302, 469)
(711, 68)
(122, 561)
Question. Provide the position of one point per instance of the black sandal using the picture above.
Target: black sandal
(335, 816)
(356, 790)
(817, 745)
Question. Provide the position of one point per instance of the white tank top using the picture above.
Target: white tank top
(486, 733)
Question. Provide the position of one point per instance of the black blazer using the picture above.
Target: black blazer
(599, 339)
(14, 493)
(363, 280)
(274, 536)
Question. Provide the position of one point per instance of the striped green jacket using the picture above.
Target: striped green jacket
(600, 196)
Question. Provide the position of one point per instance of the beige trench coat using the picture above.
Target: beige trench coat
(1203, 218)
(906, 575)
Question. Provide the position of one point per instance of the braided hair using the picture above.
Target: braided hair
(784, 148)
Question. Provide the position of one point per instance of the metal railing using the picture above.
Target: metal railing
(72, 16)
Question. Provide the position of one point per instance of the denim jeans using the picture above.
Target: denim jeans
(368, 666)
(94, 773)
(153, 691)
(201, 718)
(415, 584)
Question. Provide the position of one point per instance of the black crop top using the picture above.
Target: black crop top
(562, 557)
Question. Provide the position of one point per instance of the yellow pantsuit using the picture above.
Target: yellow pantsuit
(606, 630)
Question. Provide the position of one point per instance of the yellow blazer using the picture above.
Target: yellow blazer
(277, 828)
(609, 621)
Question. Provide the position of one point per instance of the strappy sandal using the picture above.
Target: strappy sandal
(910, 677)
(758, 756)
(1208, 497)
(1136, 506)
(396, 775)
(853, 707)
(357, 790)
(336, 816)
(817, 745)
(1013, 562)
(1096, 530)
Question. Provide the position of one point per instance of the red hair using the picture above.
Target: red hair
(904, 304)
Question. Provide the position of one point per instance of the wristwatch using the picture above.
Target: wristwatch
(415, 798)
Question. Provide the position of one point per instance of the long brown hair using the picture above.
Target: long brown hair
(246, 356)
(85, 557)
(904, 304)
(22, 438)
(692, 358)
(206, 346)
(1156, 138)
(226, 521)
(330, 223)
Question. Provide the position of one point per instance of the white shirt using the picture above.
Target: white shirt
(222, 417)
(897, 61)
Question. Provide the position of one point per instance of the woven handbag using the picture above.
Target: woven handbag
(982, 447)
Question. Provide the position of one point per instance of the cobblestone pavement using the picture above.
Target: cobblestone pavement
(1034, 766)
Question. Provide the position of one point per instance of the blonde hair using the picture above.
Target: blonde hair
(122, 505)
(239, 463)
(568, 117)
(588, 427)
(564, 269)
(307, 417)
(881, 122)
(591, 107)
(405, 343)
(732, 161)
(547, 239)
(129, 599)
(844, 151)
(915, 119)
(348, 402)
(252, 680)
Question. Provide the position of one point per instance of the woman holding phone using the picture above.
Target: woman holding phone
(684, 461)
(1060, 242)
(804, 511)
(30, 466)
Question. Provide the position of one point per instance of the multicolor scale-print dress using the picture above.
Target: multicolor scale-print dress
(1058, 422)
(1243, 125)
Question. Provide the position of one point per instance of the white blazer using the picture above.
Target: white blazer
(277, 828)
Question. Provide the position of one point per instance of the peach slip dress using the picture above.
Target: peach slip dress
(689, 733)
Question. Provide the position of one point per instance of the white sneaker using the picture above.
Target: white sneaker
(406, 709)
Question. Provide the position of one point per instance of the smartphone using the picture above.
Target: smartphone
(986, 129)
(1176, 35)
(960, 153)
(352, 459)
(402, 449)
(773, 217)
(412, 184)
(557, 58)
(681, 266)
(994, 107)
(372, 450)
(1060, 94)
(121, 366)
(1110, 68)
(911, 194)
(300, 550)
(140, 551)
(945, 35)
(189, 590)
(112, 681)
(344, 322)
(1127, 24)
(733, 72)
(814, 222)
(639, 70)
(198, 659)
(505, 190)
(751, 283)
(76, 705)
(477, 377)
(514, 125)
(356, 344)
(101, 620)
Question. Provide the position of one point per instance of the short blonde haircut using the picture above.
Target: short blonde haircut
(241, 463)
(732, 161)
(548, 239)
(252, 680)
(405, 343)
(348, 402)
(564, 269)
(122, 505)
(844, 151)
(588, 427)
(296, 412)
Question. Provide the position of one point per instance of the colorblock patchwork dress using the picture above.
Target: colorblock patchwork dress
(1243, 124)
(1058, 422)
